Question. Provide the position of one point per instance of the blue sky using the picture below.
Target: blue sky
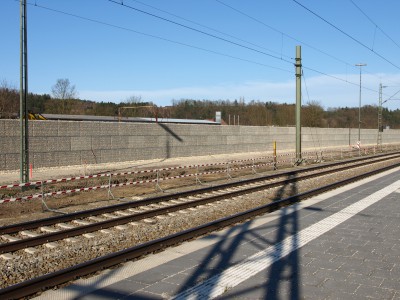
(122, 52)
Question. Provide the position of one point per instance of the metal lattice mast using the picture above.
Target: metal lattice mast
(380, 126)
(23, 112)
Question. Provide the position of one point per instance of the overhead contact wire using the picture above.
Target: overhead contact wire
(376, 25)
(290, 37)
(199, 31)
(207, 27)
(345, 33)
(156, 37)
(282, 33)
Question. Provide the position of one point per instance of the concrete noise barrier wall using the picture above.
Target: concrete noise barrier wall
(63, 143)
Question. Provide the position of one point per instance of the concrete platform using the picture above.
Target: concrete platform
(344, 244)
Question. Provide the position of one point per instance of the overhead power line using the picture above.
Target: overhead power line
(199, 31)
(184, 44)
(210, 28)
(283, 33)
(293, 38)
(154, 36)
(391, 97)
(338, 78)
(376, 25)
(301, 42)
(346, 34)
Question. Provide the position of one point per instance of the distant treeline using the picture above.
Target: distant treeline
(256, 113)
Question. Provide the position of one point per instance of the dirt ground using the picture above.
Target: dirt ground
(8, 177)
(25, 210)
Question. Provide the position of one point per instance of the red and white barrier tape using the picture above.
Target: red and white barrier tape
(134, 182)
(124, 184)
(34, 183)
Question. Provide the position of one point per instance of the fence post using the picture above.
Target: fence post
(253, 168)
(110, 194)
(44, 204)
(228, 171)
(198, 181)
(158, 187)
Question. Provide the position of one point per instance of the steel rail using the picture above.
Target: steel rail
(13, 228)
(38, 284)
(59, 235)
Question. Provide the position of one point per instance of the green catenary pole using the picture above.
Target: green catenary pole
(298, 103)
(24, 167)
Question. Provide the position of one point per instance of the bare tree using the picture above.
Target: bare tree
(9, 100)
(134, 100)
(313, 114)
(63, 89)
(136, 106)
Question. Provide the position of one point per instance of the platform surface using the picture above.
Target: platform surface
(344, 244)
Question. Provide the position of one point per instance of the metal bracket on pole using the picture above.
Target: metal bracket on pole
(298, 162)
(110, 194)
(158, 187)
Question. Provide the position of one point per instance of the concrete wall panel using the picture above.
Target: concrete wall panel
(119, 141)
(2, 128)
(2, 162)
(81, 143)
(9, 144)
(58, 143)
(68, 158)
(10, 128)
(44, 159)
(68, 128)
(12, 161)
(101, 142)
(43, 128)
(89, 157)
(87, 129)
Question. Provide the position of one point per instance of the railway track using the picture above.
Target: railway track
(20, 236)
(152, 207)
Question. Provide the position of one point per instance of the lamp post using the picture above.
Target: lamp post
(359, 106)
(380, 126)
